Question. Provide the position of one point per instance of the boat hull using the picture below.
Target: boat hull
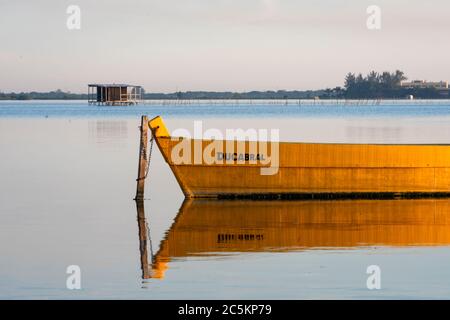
(303, 170)
(321, 170)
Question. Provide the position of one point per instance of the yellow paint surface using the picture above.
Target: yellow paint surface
(208, 227)
(158, 127)
(311, 168)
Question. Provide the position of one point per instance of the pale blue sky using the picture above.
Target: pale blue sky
(236, 45)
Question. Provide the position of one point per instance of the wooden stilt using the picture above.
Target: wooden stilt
(143, 160)
(143, 240)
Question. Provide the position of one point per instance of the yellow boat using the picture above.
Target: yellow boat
(304, 170)
(205, 227)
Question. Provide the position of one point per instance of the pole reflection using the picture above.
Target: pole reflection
(210, 227)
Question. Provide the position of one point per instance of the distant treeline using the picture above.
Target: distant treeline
(374, 85)
(198, 95)
(386, 85)
(201, 95)
(52, 95)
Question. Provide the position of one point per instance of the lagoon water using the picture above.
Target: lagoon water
(67, 180)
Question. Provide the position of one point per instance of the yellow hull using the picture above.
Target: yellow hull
(315, 170)
(205, 227)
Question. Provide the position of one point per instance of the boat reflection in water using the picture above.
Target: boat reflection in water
(205, 227)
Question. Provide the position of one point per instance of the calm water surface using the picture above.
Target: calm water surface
(67, 179)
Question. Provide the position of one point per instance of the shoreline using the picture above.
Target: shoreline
(246, 101)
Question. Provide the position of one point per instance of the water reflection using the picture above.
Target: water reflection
(373, 133)
(111, 132)
(217, 227)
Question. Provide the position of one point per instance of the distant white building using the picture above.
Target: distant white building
(425, 84)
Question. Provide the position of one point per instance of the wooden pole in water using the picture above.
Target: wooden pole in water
(144, 240)
(143, 160)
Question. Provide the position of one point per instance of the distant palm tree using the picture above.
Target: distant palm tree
(398, 77)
